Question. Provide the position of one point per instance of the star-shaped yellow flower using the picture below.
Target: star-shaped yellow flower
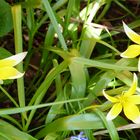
(127, 102)
(7, 70)
(132, 50)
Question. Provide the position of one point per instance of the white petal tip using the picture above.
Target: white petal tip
(110, 117)
(126, 28)
(1, 82)
(19, 75)
(17, 58)
(124, 23)
(24, 53)
(103, 92)
(135, 77)
(137, 120)
(123, 56)
(21, 55)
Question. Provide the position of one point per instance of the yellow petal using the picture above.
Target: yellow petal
(115, 111)
(16, 58)
(6, 63)
(132, 112)
(131, 34)
(110, 98)
(131, 52)
(134, 99)
(133, 86)
(9, 73)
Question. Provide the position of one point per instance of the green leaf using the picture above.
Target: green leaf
(100, 64)
(9, 132)
(41, 91)
(88, 40)
(9, 111)
(100, 85)
(4, 53)
(109, 125)
(55, 110)
(32, 3)
(52, 136)
(78, 77)
(73, 122)
(81, 122)
(5, 18)
(35, 3)
(53, 19)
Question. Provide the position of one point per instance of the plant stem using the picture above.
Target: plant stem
(17, 19)
(9, 96)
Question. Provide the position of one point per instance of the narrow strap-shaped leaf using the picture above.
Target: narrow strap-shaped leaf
(9, 132)
(40, 93)
(78, 80)
(54, 22)
(73, 122)
(109, 125)
(99, 64)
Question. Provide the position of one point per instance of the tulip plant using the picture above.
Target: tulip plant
(74, 77)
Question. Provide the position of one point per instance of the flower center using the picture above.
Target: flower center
(122, 99)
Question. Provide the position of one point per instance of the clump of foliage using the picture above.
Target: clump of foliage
(78, 54)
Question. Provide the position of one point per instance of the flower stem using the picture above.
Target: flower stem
(17, 19)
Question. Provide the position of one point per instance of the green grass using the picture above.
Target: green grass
(73, 54)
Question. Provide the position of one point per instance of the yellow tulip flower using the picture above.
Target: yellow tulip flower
(132, 50)
(127, 102)
(7, 70)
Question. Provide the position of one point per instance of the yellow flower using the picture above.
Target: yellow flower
(132, 50)
(7, 70)
(127, 102)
